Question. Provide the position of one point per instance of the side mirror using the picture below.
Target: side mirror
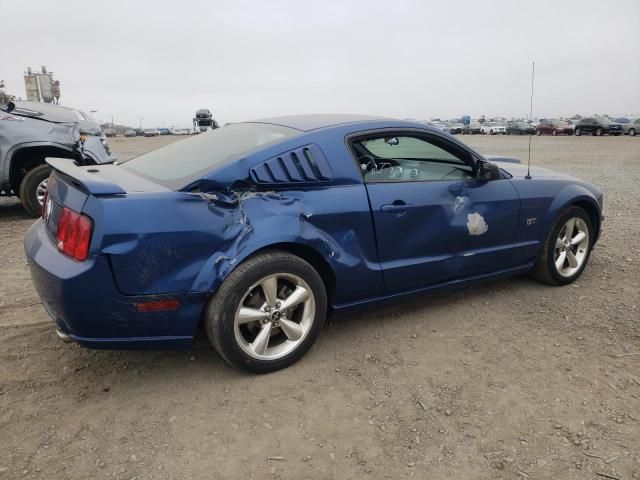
(392, 141)
(488, 171)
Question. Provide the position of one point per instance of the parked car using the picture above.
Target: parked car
(151, 132)
(597, 126)
(493, 128)
(472, 129)
(455, 128)
(163, 131)
(33, 131)
(443, 127)
(519, 128)
(180, 131)
(139, 132)
(109, 132)
(274, 227)
(553, 127)
(631, 128)
(130, 133)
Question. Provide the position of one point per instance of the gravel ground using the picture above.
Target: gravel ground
(508, 380)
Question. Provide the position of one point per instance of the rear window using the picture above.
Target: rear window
(178, 164)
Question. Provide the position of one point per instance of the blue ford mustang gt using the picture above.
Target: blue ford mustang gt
(260, 229)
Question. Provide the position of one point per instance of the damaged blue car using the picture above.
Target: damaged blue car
(259, 230)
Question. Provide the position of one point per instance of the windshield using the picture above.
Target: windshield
(178, 164)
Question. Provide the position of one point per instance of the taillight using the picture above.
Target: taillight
(74, 234)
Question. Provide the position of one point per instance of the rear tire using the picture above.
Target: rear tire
(578, 132)
(554, 132)
(234, 317)
(32, 189)
(538, 132)
(632, 132)
(546, 269)
(598, 132)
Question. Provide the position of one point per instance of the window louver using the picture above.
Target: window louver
(303, 165)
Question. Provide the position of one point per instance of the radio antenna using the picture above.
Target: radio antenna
(533, 73)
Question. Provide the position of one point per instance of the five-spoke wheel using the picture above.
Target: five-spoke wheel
(572, 246)
(566, 250)
(274, 316)
(268, 312)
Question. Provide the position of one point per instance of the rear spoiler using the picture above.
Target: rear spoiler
(83, 175)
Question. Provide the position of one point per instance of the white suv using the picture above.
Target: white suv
(493, 128)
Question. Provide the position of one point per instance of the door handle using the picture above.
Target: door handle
(395, 207)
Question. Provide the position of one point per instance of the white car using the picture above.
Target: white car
(440, 126)
(493, 128)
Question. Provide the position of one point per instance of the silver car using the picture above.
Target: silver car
(632, 128)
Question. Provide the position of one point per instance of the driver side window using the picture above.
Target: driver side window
(409, 159)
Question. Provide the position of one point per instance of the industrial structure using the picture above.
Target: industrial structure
(41, 87)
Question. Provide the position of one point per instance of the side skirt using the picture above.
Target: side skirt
(345, 306)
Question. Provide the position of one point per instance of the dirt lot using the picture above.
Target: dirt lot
(512, 379)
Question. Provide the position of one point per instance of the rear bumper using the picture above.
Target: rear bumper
(82, 299)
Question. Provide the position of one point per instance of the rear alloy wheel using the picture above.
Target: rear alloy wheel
(598, 132)
(267, 313)
(632, 132)
(566, 251)
(578, 132)
(538, 132)
(33, 189)
(554, 132)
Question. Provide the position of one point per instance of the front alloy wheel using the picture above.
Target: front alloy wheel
(565, 252)
(572, 245)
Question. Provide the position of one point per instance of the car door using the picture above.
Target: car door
(434, 220)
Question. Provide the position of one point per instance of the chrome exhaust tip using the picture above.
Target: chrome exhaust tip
(63, 336)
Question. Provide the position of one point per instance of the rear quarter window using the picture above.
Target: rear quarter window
(178, 164)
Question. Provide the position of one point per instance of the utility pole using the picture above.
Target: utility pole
(140, 127)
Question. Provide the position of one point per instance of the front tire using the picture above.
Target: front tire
(632, 132)
(268, 312)
(598, 132)
(566, 251)
(33, 189)
(578, 132)
(554, 132)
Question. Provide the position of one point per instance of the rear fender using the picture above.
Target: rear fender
(270, 218)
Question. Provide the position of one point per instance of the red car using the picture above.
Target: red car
(553, 127)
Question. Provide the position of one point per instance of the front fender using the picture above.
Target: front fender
(567, 196)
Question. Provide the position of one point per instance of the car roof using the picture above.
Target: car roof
(316, 121)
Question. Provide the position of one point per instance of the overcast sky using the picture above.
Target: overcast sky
(162, 60)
